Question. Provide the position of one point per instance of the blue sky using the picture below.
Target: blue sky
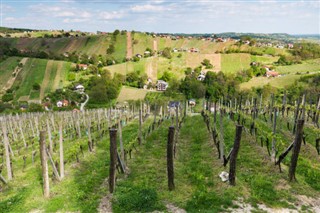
(174, 16)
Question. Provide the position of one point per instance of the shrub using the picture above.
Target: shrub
(7, 97)
(71, 77)
(36, 86)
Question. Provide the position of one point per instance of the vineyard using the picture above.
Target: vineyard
(239, 153)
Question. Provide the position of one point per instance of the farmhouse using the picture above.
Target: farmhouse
(272, 73)
(83, 67)
(201, 77)
(79, 88)
(162, 85)
(59, 104)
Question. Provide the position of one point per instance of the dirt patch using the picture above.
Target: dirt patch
(171, 208)
(129, 45)
(155, 45)
(105, 205)
(282, 185)
(151, 68)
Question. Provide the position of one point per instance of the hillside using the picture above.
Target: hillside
(112, 51)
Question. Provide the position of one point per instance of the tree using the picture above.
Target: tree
(111, 49)
(207, 64)
(167, 53)
(167, 76)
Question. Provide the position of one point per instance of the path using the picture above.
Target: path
(155, 45)
(56, 83)
(129, 45)
(84, 103)
(46, 79)
(14, 75)
(152, 68)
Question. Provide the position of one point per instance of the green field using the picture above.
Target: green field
(264, 59)
(129, 93)
(305, 67)
(144, 41)
(232, 63)
(51, 75)
(32, 72)
(278, 82)
(6, 69)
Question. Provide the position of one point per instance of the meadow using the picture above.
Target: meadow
(6, 69)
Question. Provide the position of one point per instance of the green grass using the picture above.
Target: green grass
(6, 69)
(32, 72)
(278, 82)
(120, 48)
(144, 41)
(305, 67)
(232, 63)
(264, 59)
(128, 93)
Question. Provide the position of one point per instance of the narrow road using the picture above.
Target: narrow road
(129, 45)
(84, 103)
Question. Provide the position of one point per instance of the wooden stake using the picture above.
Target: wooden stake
(170, 155)
(44, 164)
(296, 150)
(113, 159)
(234, 154)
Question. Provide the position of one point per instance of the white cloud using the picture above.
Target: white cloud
(149, 8)
(105, 15)
(58, 11)
(74, 20)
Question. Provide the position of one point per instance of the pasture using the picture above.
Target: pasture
(32, 72)
(278, 82)
(306, 67)
(129, 93)
(234, 62)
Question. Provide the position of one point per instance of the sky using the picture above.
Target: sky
(165, 16)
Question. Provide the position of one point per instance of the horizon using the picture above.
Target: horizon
(170, 16)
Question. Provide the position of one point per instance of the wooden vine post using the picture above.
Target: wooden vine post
(61, 150)
(170, 155)
(121, 141)
(233, 157)
(296, 150)
(44, 164)
(273, 155)
(113, 159)
(140, 125)
(7, 150)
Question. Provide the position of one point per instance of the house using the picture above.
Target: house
(162, 85)
(139, 55)
(83, 66)
(147, 53)
(201, 77)
(290, 46)
(59, 104)
(79, 88)
(65, 103)
(192, 102)
(272, 73)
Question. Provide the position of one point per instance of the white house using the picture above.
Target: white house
(59, 104)
(79, 88)
(162, 85)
